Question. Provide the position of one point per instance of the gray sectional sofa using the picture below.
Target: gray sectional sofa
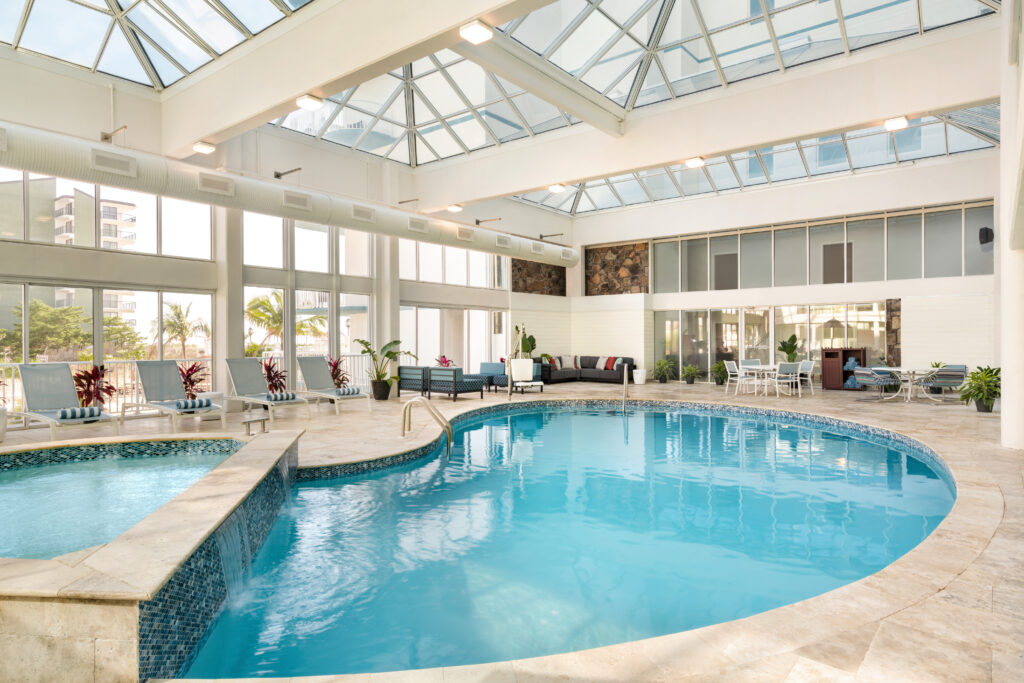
(587, 372)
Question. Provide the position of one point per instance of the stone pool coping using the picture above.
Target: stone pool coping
(708, 651)
(136, 565)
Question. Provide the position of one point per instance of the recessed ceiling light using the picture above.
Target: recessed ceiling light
(454, 208)
(695, 162)
(898, 123)
(476, 32)
(204, 147)
(557, 188)
(309, 102)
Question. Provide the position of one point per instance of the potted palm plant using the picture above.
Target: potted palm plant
(380, 366)
(663, 369)
(983, 386)
(691, 373)
(790, 348)
(719, 373)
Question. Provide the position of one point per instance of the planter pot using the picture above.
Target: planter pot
(982, 407)
(935, 390)
(522, 369)
(662, 380)
(3, 423)
(381, 389)
(689, 380)
(719, 382)
(639, 376)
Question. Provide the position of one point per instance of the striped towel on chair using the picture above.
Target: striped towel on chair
(347, 391)
(193, 403)
(79, 413)
(281, 396)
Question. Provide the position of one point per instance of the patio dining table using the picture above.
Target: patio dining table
(907, 377)
(762, 374)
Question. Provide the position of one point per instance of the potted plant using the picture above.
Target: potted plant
(983, 386)
(691, 373)
(719, 373)
(92, 386)
(936, 390)
(444, 361)
(277, 378)
(338, 374)
(521, 364)
(663, 369)
(380, 366)
(789, 347)
(192, 376)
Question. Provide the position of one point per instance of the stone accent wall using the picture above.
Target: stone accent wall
(893, 352)
(530, 277)
(617, 269)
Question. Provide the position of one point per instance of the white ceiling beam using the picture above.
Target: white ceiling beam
(518, 64)
(327, 47)
(828, 96)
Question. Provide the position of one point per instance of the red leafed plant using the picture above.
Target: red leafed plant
(338, 373)
(444, 361)
(93, 387)
(276, 377)
(192, 376)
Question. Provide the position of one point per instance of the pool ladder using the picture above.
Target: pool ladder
(445, 425)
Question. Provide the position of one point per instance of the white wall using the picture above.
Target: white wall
(614, 325)
(547, 318)
(952, 329)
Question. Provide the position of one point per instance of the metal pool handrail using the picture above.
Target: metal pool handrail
(433, 412)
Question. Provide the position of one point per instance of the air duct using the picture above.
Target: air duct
(64, 156)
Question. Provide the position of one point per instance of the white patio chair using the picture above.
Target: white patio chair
(50, 398)
(738, 377)
(165, 393)
(787, 376)
(316, 375)
(251, 387)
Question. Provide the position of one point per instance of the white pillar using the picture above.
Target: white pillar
(1010, 264)
(228, 316)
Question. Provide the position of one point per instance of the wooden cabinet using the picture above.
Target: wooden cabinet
(834, 362)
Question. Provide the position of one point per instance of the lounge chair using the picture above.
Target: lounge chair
(165, 393)
(50, 398)
(879, 379)
(946, 377)
(251, 387)
(317, 377)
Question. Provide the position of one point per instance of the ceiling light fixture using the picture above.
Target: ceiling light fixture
(695, 162)
(204, 147)
(898, 123)
(476, 32)
(309, 102)
(454, 208)
(557, 188)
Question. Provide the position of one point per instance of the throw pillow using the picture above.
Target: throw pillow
(193, 403)
(281, 396)
(602, 361)
(611, 363)
(553, 361)
(618, 363)
(79, 413)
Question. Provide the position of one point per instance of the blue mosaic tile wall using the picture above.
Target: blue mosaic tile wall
(175, 623)
(125, 449)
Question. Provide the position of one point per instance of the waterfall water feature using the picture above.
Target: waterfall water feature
(232, 538)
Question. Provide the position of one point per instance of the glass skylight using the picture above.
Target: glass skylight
(153, 42)
(930, 136)
(437, 107)
(638, 52)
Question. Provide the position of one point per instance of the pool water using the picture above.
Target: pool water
(562, 529)
(50, 510)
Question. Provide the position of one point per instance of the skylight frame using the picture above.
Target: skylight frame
(804, 147)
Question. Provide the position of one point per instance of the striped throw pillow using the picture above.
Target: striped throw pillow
(281, 396)
(347, 391)
(193, 403)
(79, 413)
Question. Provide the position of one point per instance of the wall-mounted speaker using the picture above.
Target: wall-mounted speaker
(986, 235)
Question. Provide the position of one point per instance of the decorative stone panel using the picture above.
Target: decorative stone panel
(617, 269)
(893, 352)
(530, 277)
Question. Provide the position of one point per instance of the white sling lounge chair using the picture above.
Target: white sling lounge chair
(317, 378)
(50, 397)
(251, 387)
(164, 391)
